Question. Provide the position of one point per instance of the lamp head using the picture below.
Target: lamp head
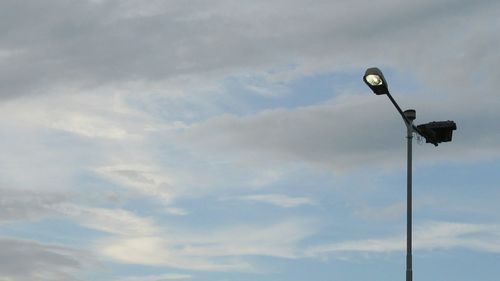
(375, 80)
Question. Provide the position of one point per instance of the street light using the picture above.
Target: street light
(376, 81)
(433, 132)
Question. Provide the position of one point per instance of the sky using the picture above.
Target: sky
(236, 141)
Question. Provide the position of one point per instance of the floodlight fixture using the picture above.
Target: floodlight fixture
(375, 80)
(437, 132)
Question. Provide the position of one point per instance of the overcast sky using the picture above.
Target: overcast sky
(235, 140)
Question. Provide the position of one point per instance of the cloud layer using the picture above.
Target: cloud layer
(112, 42)
(139, 123)
(27, 260)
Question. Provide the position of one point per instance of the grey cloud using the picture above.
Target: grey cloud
(86, 43)
(332, 135)
(351, 132)
(27, 205)
(107, 42)
(23, 260)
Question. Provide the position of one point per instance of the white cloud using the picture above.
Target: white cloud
(144, 179)
(64, 135)
(138, 240)
(162, 277)
(159, 251)
(428, 236)
(113, 221)
(177, 211)
(279, 200)
(478, 237)
(266, 177)
(89, 126)
(222, 249)
(142, 240)
(102, 113)
(266, 240)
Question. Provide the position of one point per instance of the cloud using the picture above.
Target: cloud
(56, 138)
(222, 249)
(24, 260)
(392, 211)
(101, 114)
(134, 239)
(139, 240)
(120, 89)
(100, 52)
(343, 134)
(143, 179)
(312, 134)
(22, 205)
(428, 236)
(113, 221)
(162, 277)
(265, 240)
(279, 200)
(177, 211)
(109, 42)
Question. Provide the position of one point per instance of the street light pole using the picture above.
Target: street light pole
(410, 116)
(434, 132)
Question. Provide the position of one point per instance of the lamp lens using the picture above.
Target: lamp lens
(374, 80)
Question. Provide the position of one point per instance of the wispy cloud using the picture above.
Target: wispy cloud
(25, 205)
(428, 236)
(143, 179)
(177, 211)
(222, 249)
(392, 211)
(113, 221)
(134, 239)
(30, 260)
(162, 277)
(279, 200)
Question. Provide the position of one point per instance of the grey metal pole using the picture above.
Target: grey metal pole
(410, 115)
